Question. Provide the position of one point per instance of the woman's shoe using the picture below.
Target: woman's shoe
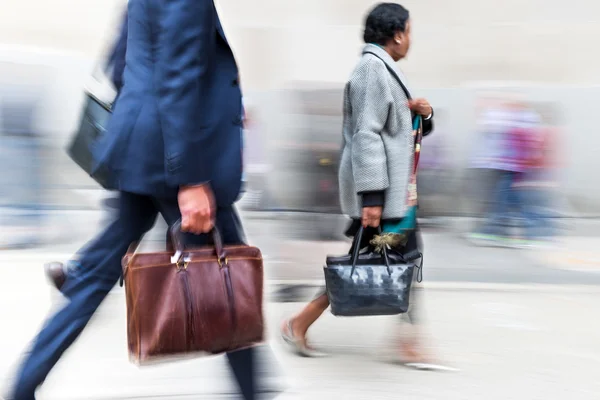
(427, 366)
(298, 345)
(412, 358)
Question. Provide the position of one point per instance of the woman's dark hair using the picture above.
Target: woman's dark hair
(384, 21)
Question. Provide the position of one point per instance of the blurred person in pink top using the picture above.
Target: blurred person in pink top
(533, 188)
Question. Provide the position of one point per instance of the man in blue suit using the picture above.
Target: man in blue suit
(173, 146)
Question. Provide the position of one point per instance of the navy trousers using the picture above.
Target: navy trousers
(98, 271)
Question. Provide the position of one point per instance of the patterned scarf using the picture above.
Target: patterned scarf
(395, 234)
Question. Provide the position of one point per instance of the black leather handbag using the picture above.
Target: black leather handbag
(92, 126)
(368, 283)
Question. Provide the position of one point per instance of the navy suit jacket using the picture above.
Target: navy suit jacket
(178, 119)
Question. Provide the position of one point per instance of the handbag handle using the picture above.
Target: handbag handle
(356, 251)
(178, 245)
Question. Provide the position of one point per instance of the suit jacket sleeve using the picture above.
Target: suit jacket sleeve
(370, 98)
(186, 48)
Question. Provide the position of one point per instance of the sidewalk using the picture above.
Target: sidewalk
(449, 258)
(574, 254)
(515, 344)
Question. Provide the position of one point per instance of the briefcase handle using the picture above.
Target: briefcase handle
(356, 251)
(179, 246)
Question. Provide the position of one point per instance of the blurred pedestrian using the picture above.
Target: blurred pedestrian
(490, 122)
(377, 162)
(173, 147)
(536, 149)
(510, 130)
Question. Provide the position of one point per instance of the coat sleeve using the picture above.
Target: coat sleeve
(185, 50)
(370, 98)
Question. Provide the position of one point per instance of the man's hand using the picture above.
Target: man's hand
(197, 206)
(420, 106)
(371, 216)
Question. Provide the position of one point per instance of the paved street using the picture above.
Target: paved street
(518, 324)
(293, 255)
(520, 343)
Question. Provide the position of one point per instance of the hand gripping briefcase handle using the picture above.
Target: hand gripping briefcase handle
(179, 247)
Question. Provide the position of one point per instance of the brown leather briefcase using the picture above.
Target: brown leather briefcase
(189, 302)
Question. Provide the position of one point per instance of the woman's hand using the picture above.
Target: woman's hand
(371, 216)
(420, 106)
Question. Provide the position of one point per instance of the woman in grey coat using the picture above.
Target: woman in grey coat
(377, 157)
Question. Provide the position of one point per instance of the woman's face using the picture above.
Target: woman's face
(401, 43)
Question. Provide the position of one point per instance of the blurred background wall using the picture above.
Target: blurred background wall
(288, 49)
(318, 40)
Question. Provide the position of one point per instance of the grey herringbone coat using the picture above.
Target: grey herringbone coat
(377, 152)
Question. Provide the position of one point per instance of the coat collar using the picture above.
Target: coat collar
(389, 62)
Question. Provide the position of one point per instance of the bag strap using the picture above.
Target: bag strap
(395, 73)
(355, 251)
(416, 119)
(132, 250)
(418, 127)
